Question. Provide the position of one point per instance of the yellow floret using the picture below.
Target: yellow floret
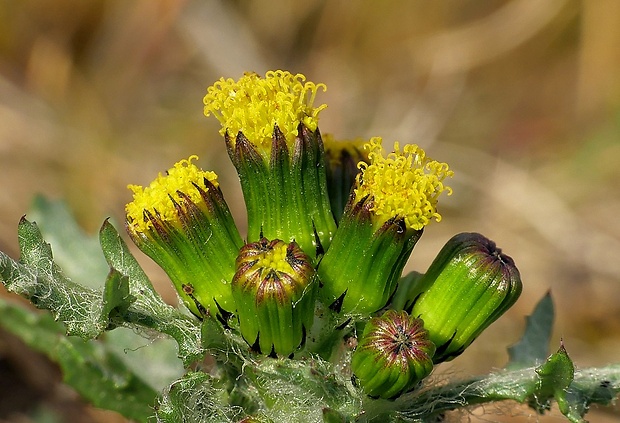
(156, 197)
(405, 184)
(275, 260)
(253, 105)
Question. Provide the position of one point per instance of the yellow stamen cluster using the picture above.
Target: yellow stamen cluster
(156, 197)
(253, 105)
(405, 184)
(275, 260)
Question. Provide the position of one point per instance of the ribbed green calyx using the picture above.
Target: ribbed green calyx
(271, 128)
(394, 197)
(360, 270)
(183, 223)
(469, 285)
(394, 353)
(275, 291)
(286, 195)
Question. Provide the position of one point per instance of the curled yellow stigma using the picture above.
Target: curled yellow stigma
(253, 105)
(405, 184)
(156, 197)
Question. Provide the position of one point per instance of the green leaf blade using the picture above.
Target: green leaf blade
(554, 377)
(41, 280)
(592, 386)
(87, 366)
(116, 298)
(195, 399)
(148, 308)
(533, 348)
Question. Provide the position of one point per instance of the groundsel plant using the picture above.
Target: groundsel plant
(305, 318)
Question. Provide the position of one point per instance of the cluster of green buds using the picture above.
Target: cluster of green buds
(331, 225)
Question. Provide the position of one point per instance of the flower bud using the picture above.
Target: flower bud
(469, 285)
(274, 288)
(183, 223)
(342, 169)
(271, 130)
(394, 354)
(393, 199)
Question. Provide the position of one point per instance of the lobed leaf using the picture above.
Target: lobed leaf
(37, 277)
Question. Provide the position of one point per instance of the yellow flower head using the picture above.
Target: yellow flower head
(254, 105)
(405, 184)
(156, 198)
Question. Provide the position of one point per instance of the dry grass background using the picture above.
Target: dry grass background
(521, 97)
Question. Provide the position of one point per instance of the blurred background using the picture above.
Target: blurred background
(520, 97)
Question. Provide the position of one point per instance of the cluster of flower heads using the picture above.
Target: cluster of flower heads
(331, 226)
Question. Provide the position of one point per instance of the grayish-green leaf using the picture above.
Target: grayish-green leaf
(533, 348)
(195, 399)
(148, 308)
(298, 391)
(591, 386)
(77, 253)
(153, 360)
(535, 386)
(38, 278)
(87, 366)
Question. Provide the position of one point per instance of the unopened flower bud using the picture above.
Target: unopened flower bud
(274, 288)
(469, 285)
(394, 354)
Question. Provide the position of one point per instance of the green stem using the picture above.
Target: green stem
(590, 386)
